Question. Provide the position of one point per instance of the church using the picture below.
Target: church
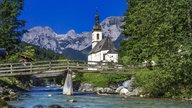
(103, 50)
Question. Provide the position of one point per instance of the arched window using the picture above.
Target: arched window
(97, 36)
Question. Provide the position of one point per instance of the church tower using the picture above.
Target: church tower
(97, 31)
(103, 50)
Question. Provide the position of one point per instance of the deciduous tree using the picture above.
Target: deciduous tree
(160, 30)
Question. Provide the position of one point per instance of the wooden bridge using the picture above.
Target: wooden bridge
(55, 66)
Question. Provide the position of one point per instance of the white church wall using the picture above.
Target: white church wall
(94, 57)
(90, 57)
(103, 52)
(97, 57)
(111, 58)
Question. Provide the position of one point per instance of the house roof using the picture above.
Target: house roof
(105, 44)
(2, 51)
(25, 57)
(112, 51)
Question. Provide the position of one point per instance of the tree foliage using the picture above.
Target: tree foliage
(34, 52)
(10, 25)
(100, 80)
(161, 29)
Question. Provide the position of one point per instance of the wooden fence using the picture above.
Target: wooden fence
(39, 67)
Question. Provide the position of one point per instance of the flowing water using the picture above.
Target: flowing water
(45, 96)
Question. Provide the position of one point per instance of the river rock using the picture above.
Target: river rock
(124, 91)
(76, 85)
(11, 92)
(86, 87)
(38, 106)
(135, 92)
(6, 98)
(49, 95)
(3, 104)
(108, 90)
(54, 106)
(72, 100)
(98, 90)
(119, 89)
(1, 90)
(128, 84)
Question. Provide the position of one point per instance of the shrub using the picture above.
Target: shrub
(101, 80)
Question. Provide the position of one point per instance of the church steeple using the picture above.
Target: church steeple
(97, 31)
(97, 18)
(97, 26)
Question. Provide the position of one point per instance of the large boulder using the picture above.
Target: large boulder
(128, 84)
(108, 90)
(98, 90)
(119, 89)
(38, 106)
(124, 91)
(54, 106)
(135, 92)
(86, 87)
(113, 86)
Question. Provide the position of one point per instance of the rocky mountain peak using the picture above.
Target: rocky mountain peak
(41, 36)
(71, 32)
(43, 30)
(111, 27)
(45, 37)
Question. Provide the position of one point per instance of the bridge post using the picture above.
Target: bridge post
(31, 67)
(68, 86)
(11, 67)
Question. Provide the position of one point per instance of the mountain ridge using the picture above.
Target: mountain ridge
(46, 38)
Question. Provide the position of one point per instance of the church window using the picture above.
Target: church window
(97, 36)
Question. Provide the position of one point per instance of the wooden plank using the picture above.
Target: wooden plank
(5, 68)
(11, 69)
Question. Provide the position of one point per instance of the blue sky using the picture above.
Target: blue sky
(64, 15)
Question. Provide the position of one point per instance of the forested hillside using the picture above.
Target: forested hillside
(34, 52)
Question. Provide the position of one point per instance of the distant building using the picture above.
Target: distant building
(25, 58)
(3, 53)
(103, 50)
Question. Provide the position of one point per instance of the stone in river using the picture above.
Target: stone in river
(38, 106)
(54, 106)
(72, 100)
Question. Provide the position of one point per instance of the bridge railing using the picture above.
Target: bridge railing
(60, 66)
(40, 66)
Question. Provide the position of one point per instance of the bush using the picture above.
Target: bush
(3, 104)
(149, 81)
(101, 80)
(6, 81)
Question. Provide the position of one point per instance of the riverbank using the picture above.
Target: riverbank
(124, 89)
(9, 90)
(39, 96)
(7, 94)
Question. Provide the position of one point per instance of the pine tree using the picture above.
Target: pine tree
(10, 25)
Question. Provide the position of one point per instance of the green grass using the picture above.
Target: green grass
(101, 80)
(5, 81)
